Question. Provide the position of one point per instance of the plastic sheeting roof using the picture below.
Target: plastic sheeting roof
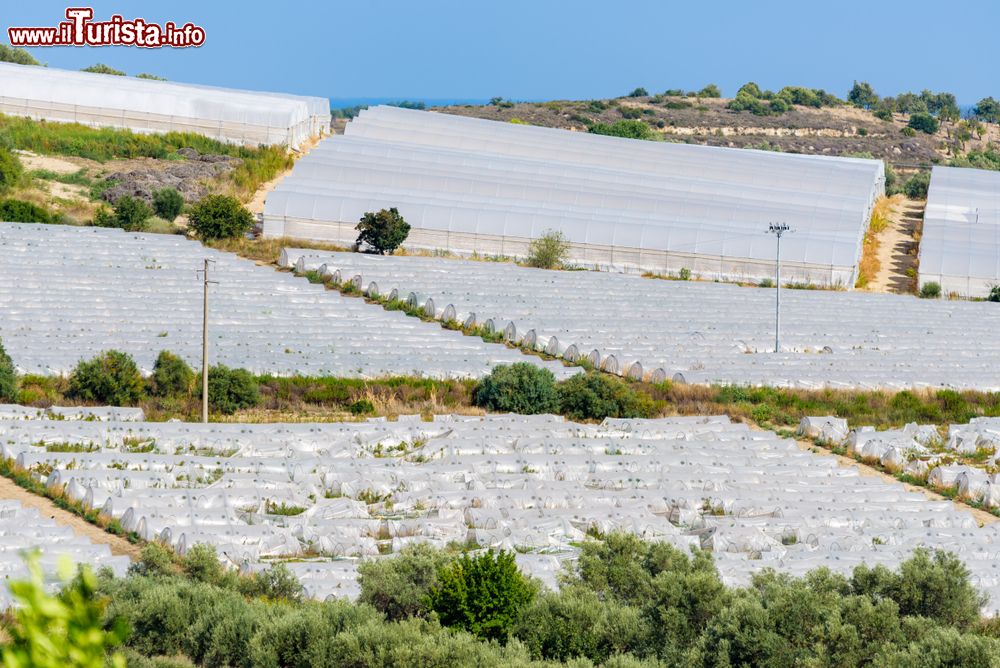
(960, 243)
(68, 293)
(147, 105)
(701, 332)
(450, 174)
(535, 483)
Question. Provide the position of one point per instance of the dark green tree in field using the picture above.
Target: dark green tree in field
(8, 378)
(639, 92)
(988, 110)
(521, 387)
(383, 232)
(220, 217)
(10, 169)
(862, 95)
(111, 378)
(168, 203)
(924, 122)
(482, 595)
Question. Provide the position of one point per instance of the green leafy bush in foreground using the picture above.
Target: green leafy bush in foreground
(172, 377)
(19, 211)
(167, 203)
(220, 217)
(624, 603)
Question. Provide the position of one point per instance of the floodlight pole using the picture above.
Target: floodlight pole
(204, 343)
(777, 229)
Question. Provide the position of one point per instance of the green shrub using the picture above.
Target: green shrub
(130, 214)
(220, 217)
(521, 387)
(595, 396)
(275, 583)
(994, 295)
(10, 169)
(361, 407)
(172, 377)
(930, 290)
(201, 563)
(482, 595)
(711, 90)
(230, 390)
(917, 185)
(630, 129)
(684, 274)
(101, 68)
(111, 378)
(548, 251)
(168, 203)
(383, 231)
(399, 587)
(923, 122)
(154, 560)
(639, 92)
(19, 211)
(8, 378)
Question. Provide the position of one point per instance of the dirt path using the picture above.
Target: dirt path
(897, 251)
(256, 203)
(981, 516)
(119, 546)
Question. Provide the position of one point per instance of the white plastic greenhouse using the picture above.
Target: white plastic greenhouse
(145, 105)
(68, 293)
(960, 245)
(468, 185)
(693, 331)
(537, 484)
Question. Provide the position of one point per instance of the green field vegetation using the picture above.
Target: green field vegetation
(625, 604)
(259, 164)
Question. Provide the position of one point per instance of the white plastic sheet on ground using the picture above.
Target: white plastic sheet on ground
(537, 484)
(68, 293)
(699, 332)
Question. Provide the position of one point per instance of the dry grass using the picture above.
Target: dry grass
(869, 266)
(268, 250)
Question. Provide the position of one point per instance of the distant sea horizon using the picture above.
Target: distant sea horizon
(342, 102)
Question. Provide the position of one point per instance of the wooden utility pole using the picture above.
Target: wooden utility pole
(204, 343)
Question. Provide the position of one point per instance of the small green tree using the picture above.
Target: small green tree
(711, 90)
(10, 169)
(171, 376)
(230, 390)
(130, 214)
(548, 251)
(220, 217)
(64, 631)
(987, 110)
(168, 203)
(110, 378)
(521, 387)
(398, 587)
(383, 231)
(482, 595)
(639, 92)
(8, 378)
(994, 294)
(202, 563)
(10, 54)
(101, 68)
(862, 95)
(923, 122)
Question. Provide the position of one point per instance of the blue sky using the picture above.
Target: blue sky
(539, 49)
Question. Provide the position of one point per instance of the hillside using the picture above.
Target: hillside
(840, 130)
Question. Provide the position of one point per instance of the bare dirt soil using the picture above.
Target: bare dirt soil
(897, 252)
(119, 546)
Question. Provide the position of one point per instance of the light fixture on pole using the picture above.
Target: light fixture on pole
(777, 229)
